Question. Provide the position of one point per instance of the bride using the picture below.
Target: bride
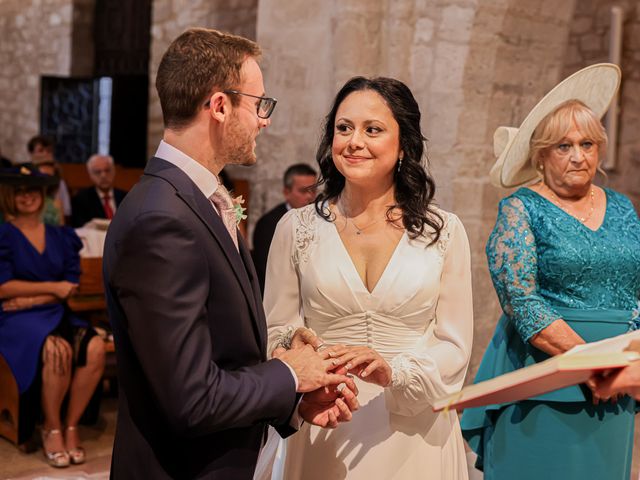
(383, 277)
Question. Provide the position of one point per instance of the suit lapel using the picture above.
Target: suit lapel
(255, 288)
(203, 209)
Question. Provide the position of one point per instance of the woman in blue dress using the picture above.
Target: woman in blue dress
(564, 258)
(45, 347)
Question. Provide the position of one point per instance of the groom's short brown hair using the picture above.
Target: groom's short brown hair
(197, 62)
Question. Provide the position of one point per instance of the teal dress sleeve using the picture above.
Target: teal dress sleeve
(513, 265)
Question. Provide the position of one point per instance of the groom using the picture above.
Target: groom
(196, 390)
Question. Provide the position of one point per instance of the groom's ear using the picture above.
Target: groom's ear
(220, 107)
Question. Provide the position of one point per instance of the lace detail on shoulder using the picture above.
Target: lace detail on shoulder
(305, 233)
(445, 234)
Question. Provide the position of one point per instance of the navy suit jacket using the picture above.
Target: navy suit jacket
(196, 390)
(262, 236)
(86, 205)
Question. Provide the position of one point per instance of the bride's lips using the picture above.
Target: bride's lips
(355, 159)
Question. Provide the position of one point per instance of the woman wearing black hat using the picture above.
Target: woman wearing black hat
(39, 270)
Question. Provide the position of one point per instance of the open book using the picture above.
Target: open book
(571, 368)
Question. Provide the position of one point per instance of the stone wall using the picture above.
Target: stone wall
(588, 44)
(25, 55)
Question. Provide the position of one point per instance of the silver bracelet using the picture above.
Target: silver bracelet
(285, 337)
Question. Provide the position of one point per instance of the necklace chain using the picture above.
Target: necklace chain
(568, 211)
(347, 219)
(360, 230)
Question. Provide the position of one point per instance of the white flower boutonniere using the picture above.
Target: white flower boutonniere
(239, 209)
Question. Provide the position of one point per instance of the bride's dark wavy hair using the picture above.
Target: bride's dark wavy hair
(414, 187)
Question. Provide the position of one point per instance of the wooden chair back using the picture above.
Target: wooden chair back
(90, 293)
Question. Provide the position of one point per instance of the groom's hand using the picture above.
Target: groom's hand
(329, 406)
(311, 368)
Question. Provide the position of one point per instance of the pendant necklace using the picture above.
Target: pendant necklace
(347, 219)
(360, 230)
(566, 209)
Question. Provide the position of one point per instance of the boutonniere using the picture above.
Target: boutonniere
(238, 209)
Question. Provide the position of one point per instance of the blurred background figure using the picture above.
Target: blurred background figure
(101, 200)
(299, 191)
(57, 209)
(50, 352)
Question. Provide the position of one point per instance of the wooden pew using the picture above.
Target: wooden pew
(76, 177)
(9, 403)
(90, 293)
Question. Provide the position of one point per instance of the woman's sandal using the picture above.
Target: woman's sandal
(76, 455)
(59, 459)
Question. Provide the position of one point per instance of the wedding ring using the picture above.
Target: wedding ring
(322, 347)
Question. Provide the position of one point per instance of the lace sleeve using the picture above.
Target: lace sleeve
(282, 303)
(513, 264)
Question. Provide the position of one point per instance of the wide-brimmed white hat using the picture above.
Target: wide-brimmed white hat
(595, 86)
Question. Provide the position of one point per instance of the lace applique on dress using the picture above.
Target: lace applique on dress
(400, 371)
(305, 233)
(445, 234)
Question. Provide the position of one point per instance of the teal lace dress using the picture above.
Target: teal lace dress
(546, 265)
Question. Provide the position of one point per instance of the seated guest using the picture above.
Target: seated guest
(53, 208)
(299, 191)
(50, 352)
(101, 200)
(58, 208)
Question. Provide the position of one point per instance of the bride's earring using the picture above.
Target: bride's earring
(399, 164)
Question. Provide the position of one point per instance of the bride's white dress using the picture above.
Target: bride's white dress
(418, 317)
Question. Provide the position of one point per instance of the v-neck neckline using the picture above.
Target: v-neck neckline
(557, 207)
(354, 271)
(26, 239)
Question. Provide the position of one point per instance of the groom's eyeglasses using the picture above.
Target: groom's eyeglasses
(265, 106)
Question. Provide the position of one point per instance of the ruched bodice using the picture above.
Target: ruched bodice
(418, 317)
(340, 309)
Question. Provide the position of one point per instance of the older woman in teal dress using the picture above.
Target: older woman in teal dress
(564, 258)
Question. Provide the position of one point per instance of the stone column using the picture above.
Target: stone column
(36, 41)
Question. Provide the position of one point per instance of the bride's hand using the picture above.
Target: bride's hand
(367, 364)
(301, 337)
(305, 336)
